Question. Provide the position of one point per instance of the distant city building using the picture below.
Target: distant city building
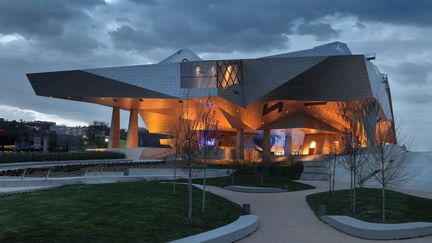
(75, 131)
(282, 104)
(25, 136)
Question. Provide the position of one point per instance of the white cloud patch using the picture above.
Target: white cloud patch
(9, 38)
(15, 113)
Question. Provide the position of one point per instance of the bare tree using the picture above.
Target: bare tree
(185, 133)
(190, 145)
(208, 139)
(176, 140)
(352, 161)
(388, 159)
(332, 158)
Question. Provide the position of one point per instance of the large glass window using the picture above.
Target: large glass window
(198, 75)
(229, 73)
(210, 74)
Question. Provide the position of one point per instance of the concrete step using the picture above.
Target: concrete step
(320, 170)
(314, 177)
(315, 164)
(315, 170)
(307, 158)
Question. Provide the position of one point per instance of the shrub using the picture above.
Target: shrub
(292, 171)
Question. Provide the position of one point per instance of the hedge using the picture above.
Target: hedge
(293, 171)
(35, 156)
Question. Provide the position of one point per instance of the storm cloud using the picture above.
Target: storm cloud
(49, 35)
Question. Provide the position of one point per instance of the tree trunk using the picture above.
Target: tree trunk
(383, 203)
(383, 185)
(334, 175)
(354, 197)
(254, 174)
(175, 174)
(330, 178)
(190, 190)
(351, 193)
(233, 174)
(262, 174)
(204, 187)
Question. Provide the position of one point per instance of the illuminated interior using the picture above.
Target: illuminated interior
(266, 106)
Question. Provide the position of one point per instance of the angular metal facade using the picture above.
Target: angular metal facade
(298, 92)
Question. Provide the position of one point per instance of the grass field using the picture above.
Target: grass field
(119, 212)
(251, 180)
(400, 207)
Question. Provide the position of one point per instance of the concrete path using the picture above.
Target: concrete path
(286, 217)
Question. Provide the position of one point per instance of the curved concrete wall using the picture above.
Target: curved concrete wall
(242, 227)
(376, 231)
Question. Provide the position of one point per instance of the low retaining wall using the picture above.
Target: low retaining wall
(47, 164)
(180, 173)
(377, 231)
(109, 177)
(242, 227)
(41, 182)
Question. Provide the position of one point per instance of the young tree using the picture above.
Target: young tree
(177, 140)
(189, 147)
(352, 161)
(185, 140)
(388, 160)
(332, 158)
(208, 139)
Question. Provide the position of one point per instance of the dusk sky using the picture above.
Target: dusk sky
(52, 35)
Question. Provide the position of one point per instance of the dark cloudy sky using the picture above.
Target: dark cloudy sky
(49, 35)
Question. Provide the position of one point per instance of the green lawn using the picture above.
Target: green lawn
(251, 180)
(119, 212)
(400, 207)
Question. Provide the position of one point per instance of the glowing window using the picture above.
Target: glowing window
(312, 145)
(229, 73)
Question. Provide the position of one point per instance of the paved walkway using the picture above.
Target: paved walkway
(286, 217)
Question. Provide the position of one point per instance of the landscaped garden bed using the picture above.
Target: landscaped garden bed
(255, 181)
(255, 175)
(400, 207)
(119, 212)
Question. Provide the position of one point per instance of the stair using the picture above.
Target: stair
(315, 170)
